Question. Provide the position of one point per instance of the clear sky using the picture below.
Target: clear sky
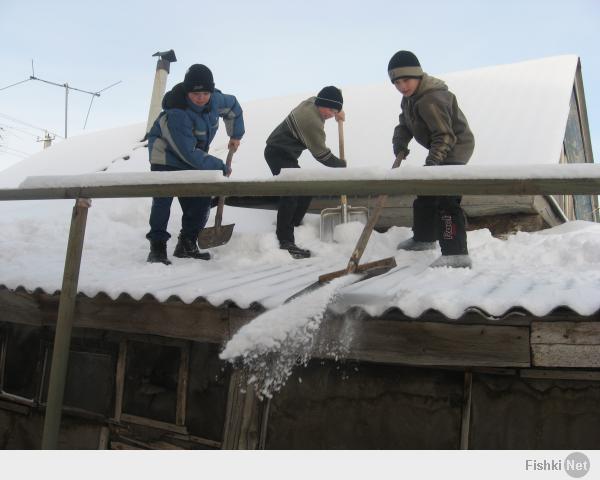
(261, 48)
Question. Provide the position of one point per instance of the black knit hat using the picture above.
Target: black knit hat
(404, 64)
(198, 78)
(330, 97)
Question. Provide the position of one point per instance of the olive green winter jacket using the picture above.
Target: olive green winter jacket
(432, 116)
(304, 129)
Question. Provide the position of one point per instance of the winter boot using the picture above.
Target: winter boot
(453, 261)
(295, 250)
(416, 246)
(158, 253)
(187, 248)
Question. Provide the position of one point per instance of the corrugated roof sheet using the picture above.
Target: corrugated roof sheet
(412, 289)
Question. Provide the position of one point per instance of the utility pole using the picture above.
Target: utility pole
(163, 66)
(47, 140)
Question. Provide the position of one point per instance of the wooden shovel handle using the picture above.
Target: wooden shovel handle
(221, 205)
(340, 123)
(365, 267)
(368, 229)
(341, 139)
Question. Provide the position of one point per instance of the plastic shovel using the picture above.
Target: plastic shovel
(331, 217)
(219, 234)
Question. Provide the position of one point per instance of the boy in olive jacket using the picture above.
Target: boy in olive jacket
(430, 115)
(303, 128)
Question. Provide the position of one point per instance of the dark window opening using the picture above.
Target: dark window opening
(22, 356)
(151, 377)
(207, 392)
(90, 382)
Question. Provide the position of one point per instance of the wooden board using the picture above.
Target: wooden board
(568, 356)
(20, 307)
(242, 424)
(566, 344)
(428, 343)
(553, 183)
(579, 375)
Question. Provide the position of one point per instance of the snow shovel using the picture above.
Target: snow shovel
(219, 234)
(331, 217)
(366, 270)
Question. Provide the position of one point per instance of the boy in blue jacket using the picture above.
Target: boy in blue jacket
(179, 140)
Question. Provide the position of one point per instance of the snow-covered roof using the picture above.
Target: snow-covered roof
(518, 113)
(538, 272)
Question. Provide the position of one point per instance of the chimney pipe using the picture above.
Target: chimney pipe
(163, 65)
(47, 140)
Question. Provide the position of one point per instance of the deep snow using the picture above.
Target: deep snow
(536, 271)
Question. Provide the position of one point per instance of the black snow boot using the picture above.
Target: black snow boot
(187, 248)
(158, 253)
(295, 250)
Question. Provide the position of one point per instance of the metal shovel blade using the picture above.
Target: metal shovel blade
(215, 236)
(332, 217)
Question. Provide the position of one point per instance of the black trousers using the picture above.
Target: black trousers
(291, 210)
(440, 219)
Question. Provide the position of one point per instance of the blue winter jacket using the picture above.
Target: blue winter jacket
(181, 135)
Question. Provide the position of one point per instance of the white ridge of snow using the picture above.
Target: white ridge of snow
(463, 172)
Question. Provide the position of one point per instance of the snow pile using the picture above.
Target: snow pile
(537, 271)
(81, 154)
(271, 345)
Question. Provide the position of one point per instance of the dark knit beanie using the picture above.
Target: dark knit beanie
(198, 78)
(404, 64)
(330, 97)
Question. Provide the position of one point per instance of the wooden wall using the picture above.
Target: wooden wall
(151, 378)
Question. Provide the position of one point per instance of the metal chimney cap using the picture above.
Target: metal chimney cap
(169, 56)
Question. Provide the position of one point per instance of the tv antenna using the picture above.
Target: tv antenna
(67, 87)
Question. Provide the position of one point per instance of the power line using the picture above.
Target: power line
(29, 124)
(15, 84)
(4, 126)
(14, 153)
(7, 134)
(15, 150)
(92, 101)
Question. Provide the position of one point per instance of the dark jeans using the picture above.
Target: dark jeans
(291, 209)
(195, 213)
(443, 219)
